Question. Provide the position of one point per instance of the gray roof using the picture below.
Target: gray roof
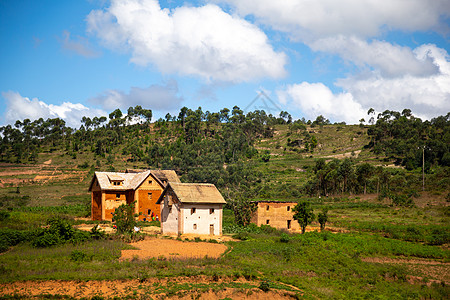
(202, 193)
(131, 181)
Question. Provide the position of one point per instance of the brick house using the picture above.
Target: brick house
(277, 214)
(112, 189)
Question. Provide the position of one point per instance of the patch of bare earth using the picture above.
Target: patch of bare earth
(161, 247)
(436, 271)
(151, 288)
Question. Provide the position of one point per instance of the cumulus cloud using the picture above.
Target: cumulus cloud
(342, 27)
(202, 41)
(314, 19)
(20, 108)
(428, 96)
(79, 45)
(155, 97)
(390, 60)
(315, 99)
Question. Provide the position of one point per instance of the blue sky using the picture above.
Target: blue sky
(336, 58)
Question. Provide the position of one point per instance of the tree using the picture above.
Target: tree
(243, 211)
(322, 217)
(304, 214)
(363, 173)
(125, 218)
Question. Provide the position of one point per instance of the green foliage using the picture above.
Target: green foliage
(411, 141)
(59, 231)
(96, 233)
(4, 215)
(80, 256)
(124, 218)
(304, 214)
(264, 286)
(11, 237)
(322, 217)
(243, 210)
(284, 238)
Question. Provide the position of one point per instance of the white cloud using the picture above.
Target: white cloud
(155, 97)
(20, 108)
(201, 41)
(79, 45)
(308, 20)
(425, 96)
(390, 60)
(315, 99)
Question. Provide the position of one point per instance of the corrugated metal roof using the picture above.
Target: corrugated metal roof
(196, 192)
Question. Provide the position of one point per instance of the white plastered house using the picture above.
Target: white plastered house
(191, 208)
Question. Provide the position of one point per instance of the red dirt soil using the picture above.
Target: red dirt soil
(156, 247)
(146, 289)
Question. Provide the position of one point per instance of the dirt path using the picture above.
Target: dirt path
(438, 271)
(152, 288)
(156, 247)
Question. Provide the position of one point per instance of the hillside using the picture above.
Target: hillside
(391, 237)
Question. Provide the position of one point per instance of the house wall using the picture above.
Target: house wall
(96, 202)
(147, 205)
(170, 216)
(112, 202)
(201, 220)
(275, 214)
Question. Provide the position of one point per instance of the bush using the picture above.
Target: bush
(243, 236)
(3, 215)
(11, 237)
(125, 218)
(264, 286)
(96, 233)
(46, 239)
(59, 232)
(79, 256)
(285, 238)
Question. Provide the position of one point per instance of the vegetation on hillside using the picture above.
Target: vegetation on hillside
(363, 181)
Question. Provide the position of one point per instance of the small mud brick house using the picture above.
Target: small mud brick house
(276, 214)
(112, 189)
(193, 208)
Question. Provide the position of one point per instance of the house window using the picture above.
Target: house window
(211, 211)
(117, 182)
(288, 224)
(192, 210)
(149, 212)
(149, 196)
(267, 207)
(118, 196)
(195, 226)
(149, 182)
(288, 208)
(267, 222)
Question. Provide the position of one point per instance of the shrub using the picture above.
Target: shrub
(59, 231)
(79, 256)
(284, 238)
(3, 215)
(11, 237)
(243, 236)
(125, 218)
(264, 286)
(46, 239)
(96, 233)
